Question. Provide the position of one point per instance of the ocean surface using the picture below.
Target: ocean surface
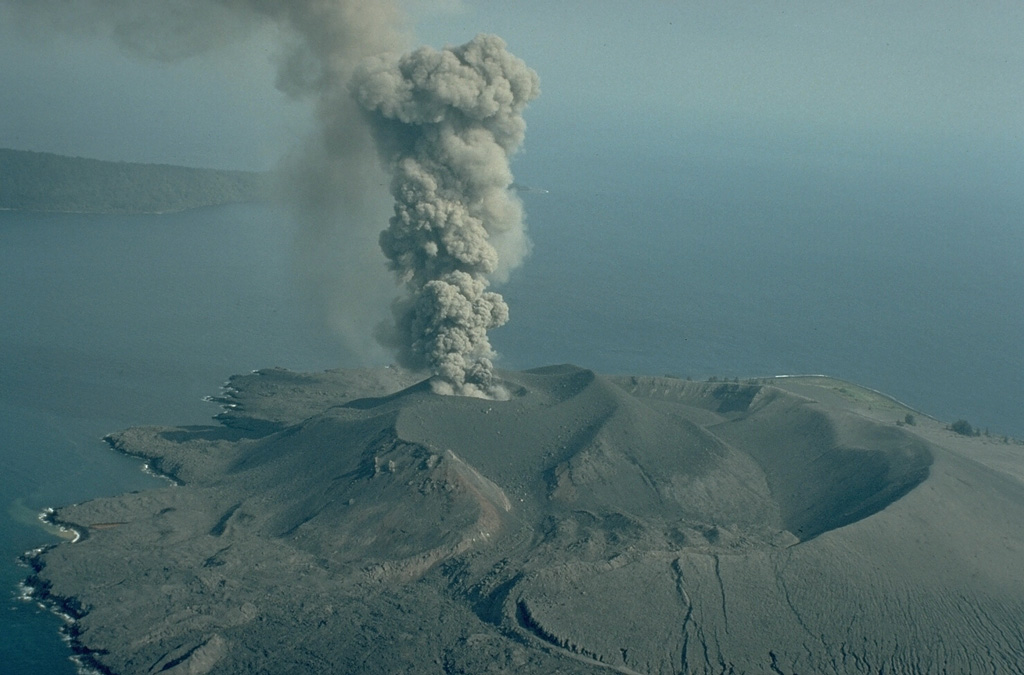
(906, 280)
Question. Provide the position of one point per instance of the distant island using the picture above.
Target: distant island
(40, 181)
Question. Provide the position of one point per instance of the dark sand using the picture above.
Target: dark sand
(352, 521)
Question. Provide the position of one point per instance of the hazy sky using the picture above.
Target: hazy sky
(874, 72)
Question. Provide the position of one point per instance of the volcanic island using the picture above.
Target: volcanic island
(355, 521)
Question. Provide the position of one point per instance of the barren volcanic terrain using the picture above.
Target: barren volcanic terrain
(353, 521)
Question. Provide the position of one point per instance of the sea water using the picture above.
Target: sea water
(652, 265)
(113, 321)
(898, 269)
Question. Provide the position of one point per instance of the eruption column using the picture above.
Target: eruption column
(446, 123)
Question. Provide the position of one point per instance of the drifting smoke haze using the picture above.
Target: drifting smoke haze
(442, 122)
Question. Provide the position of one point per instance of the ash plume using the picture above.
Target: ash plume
(442, 122)
(446, 122)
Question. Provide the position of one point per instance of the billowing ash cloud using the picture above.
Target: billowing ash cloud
(443, 122)
(446, 123)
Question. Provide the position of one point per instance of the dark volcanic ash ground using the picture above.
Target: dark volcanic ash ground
(354, 521)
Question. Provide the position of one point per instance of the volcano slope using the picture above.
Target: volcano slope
(353, 521)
